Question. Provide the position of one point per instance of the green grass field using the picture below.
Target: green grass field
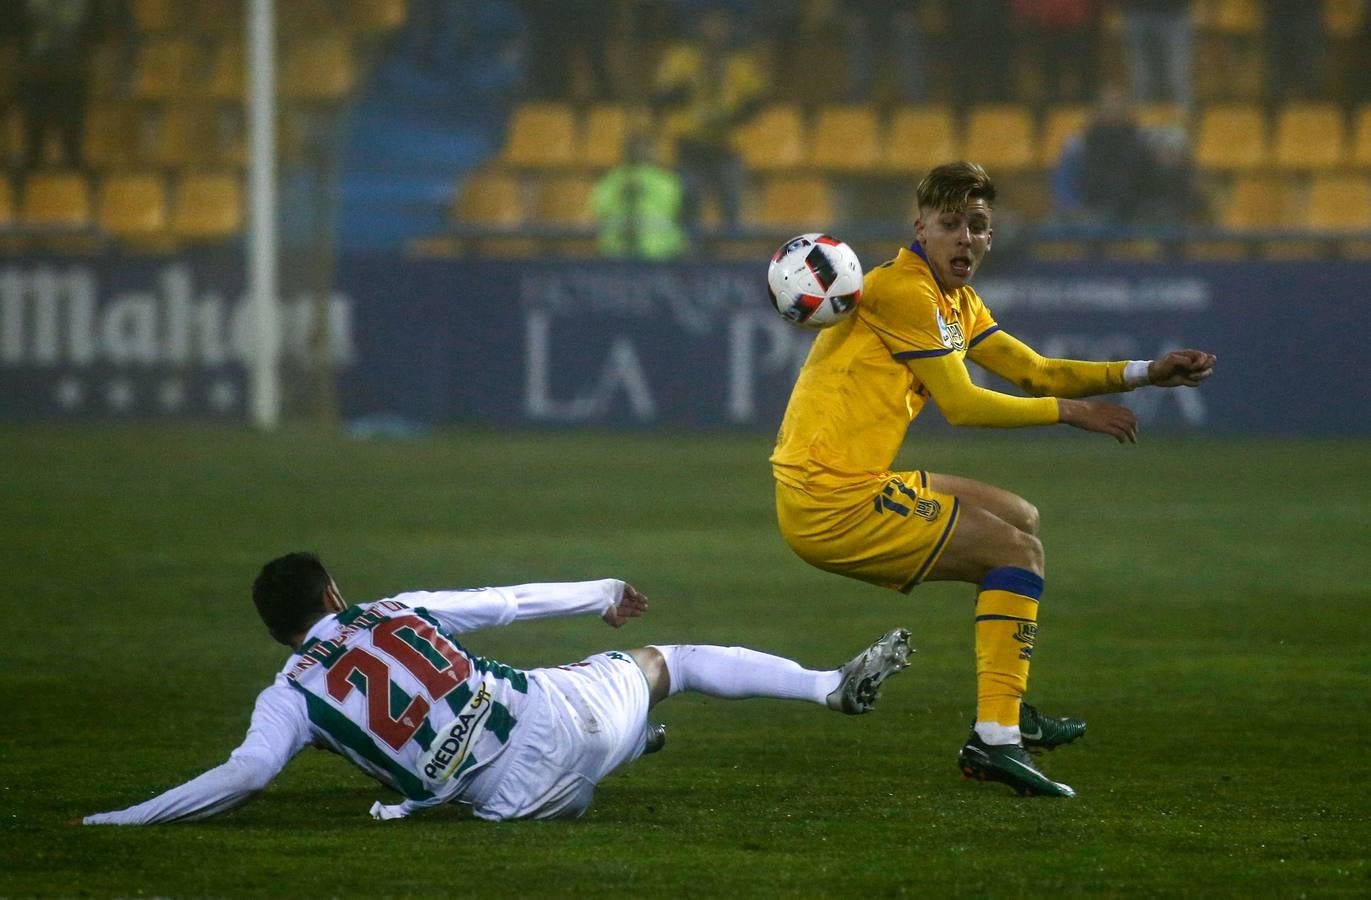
(1206, 610)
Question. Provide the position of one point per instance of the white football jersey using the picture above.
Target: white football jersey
(387, 685)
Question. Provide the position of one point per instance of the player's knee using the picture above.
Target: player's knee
(655, 670)
(1026, 518)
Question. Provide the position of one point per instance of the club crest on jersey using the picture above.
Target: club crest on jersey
(452, 746)
(950, 333)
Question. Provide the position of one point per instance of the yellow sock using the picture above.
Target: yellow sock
(1006, 627)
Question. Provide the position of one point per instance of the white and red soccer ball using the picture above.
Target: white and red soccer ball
(814, 280)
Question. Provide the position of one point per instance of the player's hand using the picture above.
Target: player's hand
(630, 606)
(1181, 367)
(1102, 418)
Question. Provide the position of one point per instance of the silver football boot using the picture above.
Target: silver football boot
(862, 678)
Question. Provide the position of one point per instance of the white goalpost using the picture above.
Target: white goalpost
(264, 378)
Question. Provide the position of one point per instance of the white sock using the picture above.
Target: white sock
(736, 673)
(995, 734)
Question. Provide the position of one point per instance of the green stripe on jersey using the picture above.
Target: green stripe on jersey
(425, 735)
(499, 722)
(346, 732)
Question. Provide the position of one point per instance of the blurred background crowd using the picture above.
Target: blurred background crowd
(661, 129)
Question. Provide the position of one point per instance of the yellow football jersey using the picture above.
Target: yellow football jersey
(856, 395)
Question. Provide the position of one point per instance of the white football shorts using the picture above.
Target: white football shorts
(587, 719)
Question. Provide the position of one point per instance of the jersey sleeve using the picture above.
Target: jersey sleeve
(1020, 364)
(279, 730)
(909, 325)
(461, 611)
(962, 402)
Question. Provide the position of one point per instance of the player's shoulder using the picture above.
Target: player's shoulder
(900, 288)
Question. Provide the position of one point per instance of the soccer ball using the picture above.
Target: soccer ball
(814, 280)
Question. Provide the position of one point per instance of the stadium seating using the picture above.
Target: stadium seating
(541, 135)
(163, 67)
(154, 16)
(111, 135)
(133, 206)
(375, 16)
(6, 203)
(493, 200)
(319, 68)
(1062, 123)
(563, 203)
(1361, 138)
(225, 80)
(1339, 203)
(57, 199)
(774, 140)
(1232, 138)
(605, 128)
(1310, 136)
(1002, 137)
(1257, 202)
(846, 139)
(796, 203)
(919, 138)
(208, 206)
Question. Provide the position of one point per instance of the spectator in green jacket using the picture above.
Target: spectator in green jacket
(637, 206)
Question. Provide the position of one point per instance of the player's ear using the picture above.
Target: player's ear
(919, 229)
(333, 598)
(989, 237)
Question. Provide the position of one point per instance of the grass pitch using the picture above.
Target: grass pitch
(1206, 610)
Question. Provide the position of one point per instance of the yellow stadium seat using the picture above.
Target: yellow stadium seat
(151, 16)
(1256, 203)
(920, 137)
(182, 135)
(1237, 17)
(56, 199)
(305, 17)
(220, 17)
(1154, 116)
(110, 135)
(133, 205)
(493, 200)
(774, 139)
(1339, 202)
(541, 135)
(319, 68)
(225, 80)
(209, 206)
(606, 128)
(1232, 137)
(1343, 18)
(6, 202)
(1361, 138)
(490, 198)
(1310, 136)
(796, 203)
(375, 16)
(1062, 123)
(846, 139)
(1002, 137)
(163, 68)
(565, 200)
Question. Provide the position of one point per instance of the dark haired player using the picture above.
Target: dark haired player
(386, 686)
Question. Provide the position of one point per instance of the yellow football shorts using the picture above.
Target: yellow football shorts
(888, 529)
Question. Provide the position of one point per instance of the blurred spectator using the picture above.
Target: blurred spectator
(705, 87)
(1063, 35)
(1159, 40)
(1296, 51)
(979, 50)
(58, 39)
(637, 206)
(886, 44)
(1103, 178)
(563, 34)
(1173, 196)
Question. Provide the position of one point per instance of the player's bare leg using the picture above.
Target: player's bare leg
(1007, 505)
(1006, 562)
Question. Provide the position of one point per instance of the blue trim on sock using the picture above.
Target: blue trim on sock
(1015, 580)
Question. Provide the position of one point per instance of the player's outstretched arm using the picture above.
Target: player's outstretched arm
(218, 790)
(1102, 418)
(1181, 368)
(630, 606)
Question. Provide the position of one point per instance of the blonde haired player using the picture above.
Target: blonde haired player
(842, 509)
